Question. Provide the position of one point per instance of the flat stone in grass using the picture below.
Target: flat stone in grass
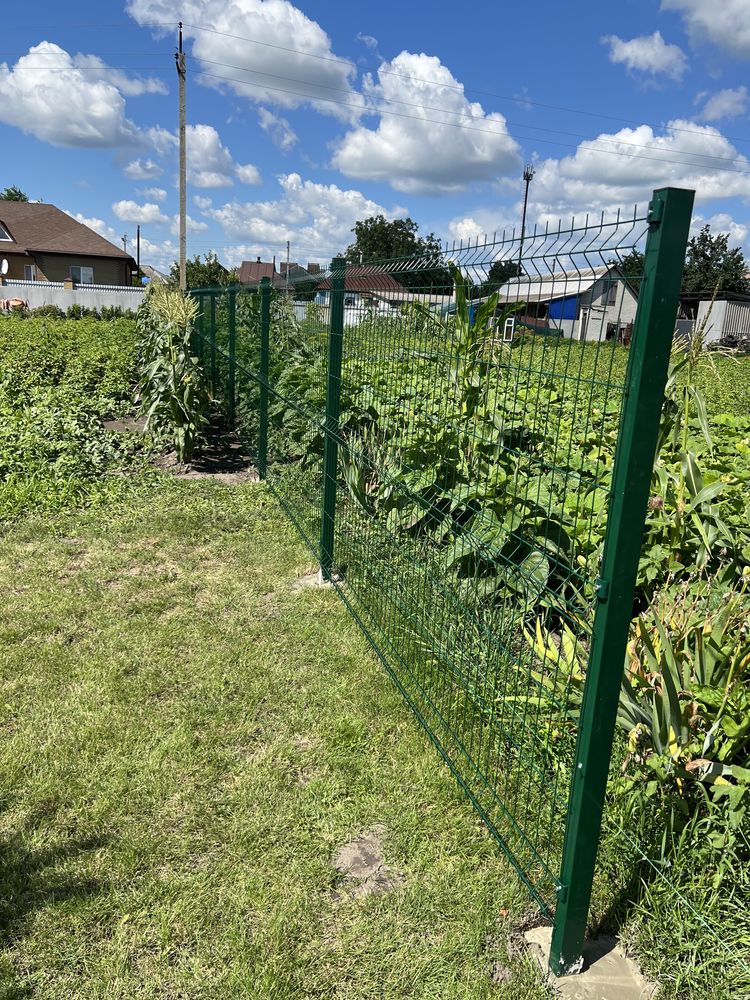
(608, 974)
(361, 862)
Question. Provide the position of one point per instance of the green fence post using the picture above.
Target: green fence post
(265, 328)
(331, 425)
(232, 349)
(669, 221)
(201, 329)
(212, 322)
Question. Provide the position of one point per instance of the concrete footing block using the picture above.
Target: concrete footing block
(608, 974)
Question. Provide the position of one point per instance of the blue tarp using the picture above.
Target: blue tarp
(566, 308)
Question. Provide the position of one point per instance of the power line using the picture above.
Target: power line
(723, 162)
(458, 114)
(469, 128)
(403, 76)
(447, 86)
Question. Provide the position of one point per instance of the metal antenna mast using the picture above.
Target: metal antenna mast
(528, 174)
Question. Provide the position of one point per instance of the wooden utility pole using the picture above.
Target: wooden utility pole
(287, 268)
(180, 60)
(138, 251)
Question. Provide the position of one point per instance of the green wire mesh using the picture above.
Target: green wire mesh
(480, 395)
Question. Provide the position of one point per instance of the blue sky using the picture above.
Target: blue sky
(304, 118)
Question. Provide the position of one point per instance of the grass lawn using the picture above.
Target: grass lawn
(187, 742)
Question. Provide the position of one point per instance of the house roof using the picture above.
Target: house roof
(251, 271)
(561, 284)
(36, 228)
(366, 278)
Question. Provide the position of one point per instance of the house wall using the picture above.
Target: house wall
(107, 270)
(601, 313)
(43, 293)
(16, 262)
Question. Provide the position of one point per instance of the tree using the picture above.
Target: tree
(13, 194)
(379, 239)
(631, 268)
(710, 263)
(207, 273)
(500, 272)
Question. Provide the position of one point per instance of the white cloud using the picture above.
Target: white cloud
(193, 225)
(728, 103)
(202, 202)
(648, 54)
(722, 223)
(594, 179)
(58, 100)
(155, 194)
(148, 214)
(311, 215)
(277, 71)
(725, 23)
(423, 152)
(278, 128)
(143, 170)
(367, 40)
(95, 69)
(209, 163)
(248, 174)
(480, 223)
(98, 225)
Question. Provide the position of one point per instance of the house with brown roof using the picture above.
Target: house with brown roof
(252, 271)
(42, 243)
(365, 284)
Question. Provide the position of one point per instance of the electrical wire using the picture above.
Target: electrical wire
(724, 162)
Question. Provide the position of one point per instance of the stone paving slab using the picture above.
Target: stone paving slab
(608, 974)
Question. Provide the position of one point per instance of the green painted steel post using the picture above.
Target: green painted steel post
(333, 407)
(214, 365)
(232, 348)
(201, 331)
(265, 329)
(669, 221)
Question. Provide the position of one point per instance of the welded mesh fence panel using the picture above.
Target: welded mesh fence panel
(297, 404)
(480, 392)
(479, 414)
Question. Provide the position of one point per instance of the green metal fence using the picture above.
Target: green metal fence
(465, 442)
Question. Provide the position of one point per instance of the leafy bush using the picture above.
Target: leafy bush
(49, 310)
(59, 379)
(77, 311)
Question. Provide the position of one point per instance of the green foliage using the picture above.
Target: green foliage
(172, 391)
(378, 238)
(59, 380)
(13, 194)
(51, 311)
(631, 266)
(686, 708)
(711, 266)
(500, 272)
(206, 273)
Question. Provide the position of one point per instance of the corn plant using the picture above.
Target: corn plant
(171, 389)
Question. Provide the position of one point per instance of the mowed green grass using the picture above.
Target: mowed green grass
(186, 742)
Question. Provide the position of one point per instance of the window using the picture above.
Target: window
(5, 235)
(612, 294)
(509, 327)
(82, 275)
(29, 272)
